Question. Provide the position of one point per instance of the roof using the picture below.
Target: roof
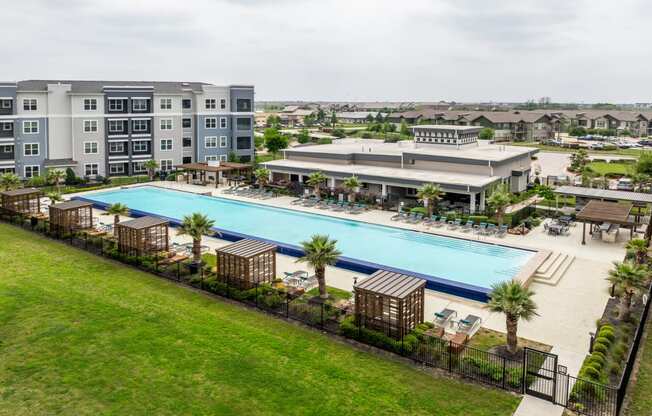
(391, 284)
(593, 193)
(224, 166)
(59, 162)
(358, 114)
(73, 204)
(247, 248)
(21, 191)
(97, 86)
(142, 223)
(604, 211)
(447, 127)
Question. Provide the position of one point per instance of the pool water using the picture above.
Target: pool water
(460, 260)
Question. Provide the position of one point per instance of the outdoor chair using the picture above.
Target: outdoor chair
(443, 318)
(469, 324)
(491, 229)
(501, 231)
(468, 226)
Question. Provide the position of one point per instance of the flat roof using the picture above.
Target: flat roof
(224, 166)
(21, 191)
(447, 127)
(387, 174)
(142, 222)
(72, 204)
(247, 248)
(605, 211)
(604, 194)
(392, 284)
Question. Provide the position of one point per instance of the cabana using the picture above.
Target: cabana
(71, 216)
(390, 302)
(142, 236)
(22, 201)
(204, 168)
(247, 263)
(604, 212)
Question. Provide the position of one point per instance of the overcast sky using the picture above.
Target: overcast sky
(463, 50)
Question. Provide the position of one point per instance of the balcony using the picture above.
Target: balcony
(140, 106)
(117, 106)
(6, 107)
(6, 132)
(117, 127)
(7, 153)
(141, 149)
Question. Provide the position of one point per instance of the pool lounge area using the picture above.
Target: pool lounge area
(456, 266)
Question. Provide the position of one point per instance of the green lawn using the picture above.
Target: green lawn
(604, 168)
(548, 148)
(80, 335)
(639, 395)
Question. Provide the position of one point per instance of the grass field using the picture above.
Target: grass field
(640, 397)
(604, 168)
(80, 335)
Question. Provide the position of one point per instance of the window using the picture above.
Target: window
(187, 123)
(187, 159)
(166, 164)
(166, 103)
(90, 104)
(187, 142)
(116, 168)
(223, 104)
(243, 142)
(138, 167)
(243, 104)
(209, 158)
(222, 122)
(32, 170)
(29, 104)
(7, 126)
(210, 104)
(186, 103)
(243, 123)
(223, 158)
(139, 104)
(116, 126)
(30, 127)
(166, 145)
(90, 126)
(210, 123)
(91, 169)
(224, 141)
(116, 105)
(140, 146)
(90, 148)
(210, 142)
(140, 126)
(7, 149)
(6, 104)
(166, 124)
(118, 147)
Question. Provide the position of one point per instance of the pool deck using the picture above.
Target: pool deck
(567, 310)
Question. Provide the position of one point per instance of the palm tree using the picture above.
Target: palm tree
(320, 251)
(262, 176)
(116, 210)
(9, 181)
(515, 301)
(196, 225)
(639, 247)
(316, 179)
(499, 200)
(151, 166)
(352, 184)
(54, 197)
(627, 278)
(430, 194)
(55, 177)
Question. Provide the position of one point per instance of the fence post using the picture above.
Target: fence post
(504, 372)
(287, 305)
(450, 356)
(256, 298)
(523, 368)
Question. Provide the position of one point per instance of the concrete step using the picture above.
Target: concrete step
(547, 264)
(555, 271)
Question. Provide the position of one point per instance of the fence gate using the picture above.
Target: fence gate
(541, 374)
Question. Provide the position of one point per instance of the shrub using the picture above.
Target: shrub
(591, 373)
(598, 356)
(620, 351)
(598, 365)
(37, 181)
(607, 333)
(615, 369)
(600, 348)
(602, 340)
(377, 339)
(324, 140)
(419, 210)
(478, 218)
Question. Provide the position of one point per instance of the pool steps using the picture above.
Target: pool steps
(553, 268)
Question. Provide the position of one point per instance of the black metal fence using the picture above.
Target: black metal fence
(526, 375)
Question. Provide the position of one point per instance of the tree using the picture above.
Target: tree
(55, 177)
(316, 179)
(309, 120)
(9, 181)
(151, 166)
(333, 119)
(274, 141)
(369, 119)
(500, 199)
(644, 164)
(639, 247)
(321, 115)
(116, 210)
(71, 178)
(351, 184)
(196, 225)
(262, 176)
(577, 131)
(379, 118)
(486, 133)
(404, 130)
(233, 157)
(587, 176)
(273, 121)
(627, 278)
(430, 194)
(303, 137)
(319, 252)
(579, 159)
(515, 301)
(339, 133)
(54, 197)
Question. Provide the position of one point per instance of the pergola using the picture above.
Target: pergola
(204, 168)
(247, 263)
(390, 302)
(599, 212)
(22, 201)
(71, 216)
(142, 236)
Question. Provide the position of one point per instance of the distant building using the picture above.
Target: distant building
(357, 117)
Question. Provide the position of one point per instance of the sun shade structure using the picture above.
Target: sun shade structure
(604, 194)
(390, 302)
(598, 212)
(142, 236)
(22, 201)
(71, 216)
(247, 263)
(204, 168)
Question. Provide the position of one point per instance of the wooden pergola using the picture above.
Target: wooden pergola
(22, 201)
(598, 212)
(71, 216)
(204, 168)
(142, 236)
(390, 302)
(247, 263)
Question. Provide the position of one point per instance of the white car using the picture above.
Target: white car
(596, 146)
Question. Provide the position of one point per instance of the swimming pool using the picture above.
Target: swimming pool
(453, 265)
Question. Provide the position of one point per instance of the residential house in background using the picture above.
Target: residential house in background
(357, 117)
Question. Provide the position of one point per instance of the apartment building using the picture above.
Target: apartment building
(111, 128)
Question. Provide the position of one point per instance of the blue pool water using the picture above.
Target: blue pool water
(468, 262)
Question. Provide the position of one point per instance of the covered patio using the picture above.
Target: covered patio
(142, 236)
(22, 201)
(247, 263)
(237, 172)
(71, 216)
(606, 217)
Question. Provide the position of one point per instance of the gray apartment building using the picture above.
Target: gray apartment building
(111, 128)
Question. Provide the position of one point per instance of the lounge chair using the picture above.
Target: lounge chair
(399, 216)
(479, 229)
(501, 231)
(298, 201)
(439, 221)
(415, 217)
(443, 318)
(468, 226)
(469, 325)
(491, 229)
(454, 224)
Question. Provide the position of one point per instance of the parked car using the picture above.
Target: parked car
(596, 146)
(645, 142)
(625, 184)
